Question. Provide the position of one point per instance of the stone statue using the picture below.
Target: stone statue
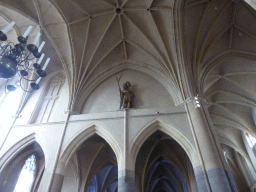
(126, 96)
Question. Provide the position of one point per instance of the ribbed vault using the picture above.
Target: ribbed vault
(216, 29)
(110, 33)
(163, 175)
(96, 166)
(104, 180)
(221, 42)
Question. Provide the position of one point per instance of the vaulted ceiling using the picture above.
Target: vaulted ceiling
(212, 42)
(221, 43)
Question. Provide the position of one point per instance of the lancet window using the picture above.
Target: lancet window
(50, 98)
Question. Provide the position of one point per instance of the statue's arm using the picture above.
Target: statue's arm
(121, 94)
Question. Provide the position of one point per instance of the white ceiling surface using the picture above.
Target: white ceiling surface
(221, 42)
(91, 37)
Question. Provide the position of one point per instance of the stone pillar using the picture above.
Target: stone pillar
(126, 166)
(58, 178)
(126, 181)
(213, 174)
(57, 182)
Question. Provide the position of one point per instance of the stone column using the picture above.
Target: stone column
(126, 166)
(212, 175)
(126, 181)
(58, 179)
(57, 182)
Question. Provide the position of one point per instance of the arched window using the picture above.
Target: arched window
(23, 169)
(8, 105)
(27, 175)
(250, 139)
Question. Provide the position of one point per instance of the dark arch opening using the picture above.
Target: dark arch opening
(163, 165)
(93, 167)
(105, 179)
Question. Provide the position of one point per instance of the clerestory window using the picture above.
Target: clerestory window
(250, 139)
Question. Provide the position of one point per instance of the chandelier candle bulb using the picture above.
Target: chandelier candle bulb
(1, 47)
(27, 31)
(6, 29)
(38, 80)
(46, 63)
(41, 47)
(40, 59)
(37, 38)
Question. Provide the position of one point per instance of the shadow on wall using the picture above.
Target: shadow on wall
(149, 93)
(138, 101)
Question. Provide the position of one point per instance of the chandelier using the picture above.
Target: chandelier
(16, 60)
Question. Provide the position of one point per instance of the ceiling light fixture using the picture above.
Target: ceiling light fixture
(16, 60)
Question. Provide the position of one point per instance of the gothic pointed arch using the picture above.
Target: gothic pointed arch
(156, 125)
(11, 168)
(73, 145)
(93, 165)
(162, 164)
(16, 149)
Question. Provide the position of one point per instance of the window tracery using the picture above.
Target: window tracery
(51, 96)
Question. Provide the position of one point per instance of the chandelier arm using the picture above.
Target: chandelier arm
(23, 88)
(28, 79)
(24, 59)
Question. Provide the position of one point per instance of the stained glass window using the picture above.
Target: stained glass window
(251, 140)
(27, 175)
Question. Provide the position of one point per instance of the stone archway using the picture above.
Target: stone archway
(93, 160)
(162, 164)
(83, 135)
(156, 125)
(14, 163)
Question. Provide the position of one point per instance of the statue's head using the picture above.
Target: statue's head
(128, 84)
(125, 86)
